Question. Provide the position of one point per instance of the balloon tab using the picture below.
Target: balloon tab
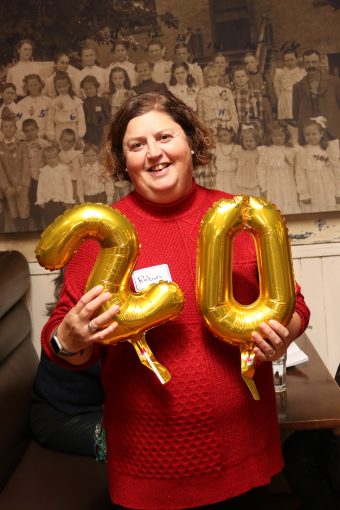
(248, 363)
(148, 359)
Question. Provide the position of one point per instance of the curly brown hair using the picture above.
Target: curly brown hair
(200, 137)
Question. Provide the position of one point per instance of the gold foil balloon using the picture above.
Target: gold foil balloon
(223, 315)
(119, 248)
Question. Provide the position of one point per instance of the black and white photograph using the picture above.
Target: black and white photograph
(262, 75)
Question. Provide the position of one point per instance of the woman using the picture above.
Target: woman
(201, 439)
(23, 67)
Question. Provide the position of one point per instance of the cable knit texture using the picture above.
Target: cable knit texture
(201, 438)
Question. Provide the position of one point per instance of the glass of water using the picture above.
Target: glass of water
(279, 374)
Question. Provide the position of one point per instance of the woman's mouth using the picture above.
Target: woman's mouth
(158, 168)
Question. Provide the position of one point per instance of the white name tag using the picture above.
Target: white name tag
(142, 278)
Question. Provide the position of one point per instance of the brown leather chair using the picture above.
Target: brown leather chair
(32, 477)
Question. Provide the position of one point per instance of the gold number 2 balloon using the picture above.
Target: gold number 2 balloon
(223, 315)
(119, 248)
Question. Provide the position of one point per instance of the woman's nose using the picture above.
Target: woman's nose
(153, 150)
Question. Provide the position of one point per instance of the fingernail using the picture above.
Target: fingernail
(98, 287)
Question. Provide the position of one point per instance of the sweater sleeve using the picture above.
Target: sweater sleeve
(302, 309)
(76, 275)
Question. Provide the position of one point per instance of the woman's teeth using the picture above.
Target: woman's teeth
(159, 167)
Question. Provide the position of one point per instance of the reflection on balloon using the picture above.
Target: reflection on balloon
(119, 248)
(223, 315)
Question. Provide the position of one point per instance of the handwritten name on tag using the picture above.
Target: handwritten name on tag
(142, 278)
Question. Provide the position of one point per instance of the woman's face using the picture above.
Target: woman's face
(290, 60)
(118, 79)
(33, 87)
(312, 134)
(158, 157)
(181, 75)
(62, 63)
(25, 52)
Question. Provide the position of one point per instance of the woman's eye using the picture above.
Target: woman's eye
(137, 146)
(166, 137)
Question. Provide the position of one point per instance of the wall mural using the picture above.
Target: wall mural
(276, 128)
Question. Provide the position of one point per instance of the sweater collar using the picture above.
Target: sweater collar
(163, 211)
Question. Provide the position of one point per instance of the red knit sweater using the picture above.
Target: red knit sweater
(201, 438)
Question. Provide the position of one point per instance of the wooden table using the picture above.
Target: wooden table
(312, 398)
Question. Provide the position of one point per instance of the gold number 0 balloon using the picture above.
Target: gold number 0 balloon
(119, 248)
(223, 315)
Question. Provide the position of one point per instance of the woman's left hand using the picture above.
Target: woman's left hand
(272, 342)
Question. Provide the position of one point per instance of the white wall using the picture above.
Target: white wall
(317, 269)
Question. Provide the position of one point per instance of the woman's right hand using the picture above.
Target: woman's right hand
(78, 332)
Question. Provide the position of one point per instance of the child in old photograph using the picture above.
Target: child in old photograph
(119, 88)
(55, 192)
(35, 146)
(94, 183)
(318, 169)
(225, 159)
(14, 176)
(71, 157)
(276, 170)
(161, 70)
(183, 84)
(35, 105)
(96, 109)
(9, 106)
(246, 179)
(66, 110)
(215, 104)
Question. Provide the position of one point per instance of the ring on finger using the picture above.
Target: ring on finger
(92, 329)
(271, 353)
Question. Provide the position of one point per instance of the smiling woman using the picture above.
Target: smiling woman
(191, 442)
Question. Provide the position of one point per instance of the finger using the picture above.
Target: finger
(272, 337)
(88, 297)
(103, 334)
(281, 330)
(103, 319)
(263, 346)
(91, 307)
(259, 355)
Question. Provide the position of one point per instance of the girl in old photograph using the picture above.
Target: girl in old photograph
(35, 105)
(276, 170)
(183, 84)
(246, 179)
(215, 104)
(119, 88)
(318, 168)
(225, 159)
(66, 109)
